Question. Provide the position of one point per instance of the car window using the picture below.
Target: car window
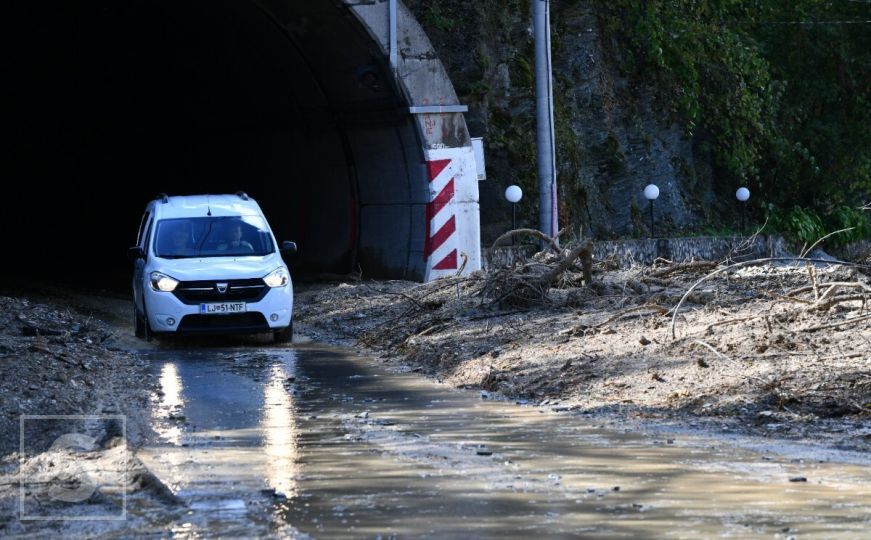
(139, 235)
(212, 237)
(147, 242)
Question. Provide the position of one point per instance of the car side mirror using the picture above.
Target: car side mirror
(135, 253)
(288, 248)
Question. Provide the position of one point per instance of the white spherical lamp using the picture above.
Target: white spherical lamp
(742, 194)
(513, 194)
(651, 192)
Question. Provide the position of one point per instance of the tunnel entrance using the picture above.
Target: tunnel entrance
(109, 103)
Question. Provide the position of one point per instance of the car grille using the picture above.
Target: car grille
(237, 322)
(238, 290)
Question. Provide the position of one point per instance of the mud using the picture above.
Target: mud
(221, 437)
(745, 359)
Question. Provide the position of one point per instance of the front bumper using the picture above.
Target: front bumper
(164, 308)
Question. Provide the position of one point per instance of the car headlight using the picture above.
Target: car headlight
(162, 282)
(278, 278)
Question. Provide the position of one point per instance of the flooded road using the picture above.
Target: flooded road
(314, 441)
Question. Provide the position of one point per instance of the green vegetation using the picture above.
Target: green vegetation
(437, 16)
(775, 94)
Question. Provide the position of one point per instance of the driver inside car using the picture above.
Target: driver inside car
(234, 240)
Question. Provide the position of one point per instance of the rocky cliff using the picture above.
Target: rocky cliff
(614, 134)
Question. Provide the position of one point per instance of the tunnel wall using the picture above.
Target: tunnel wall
(109, 103)
(441, 204)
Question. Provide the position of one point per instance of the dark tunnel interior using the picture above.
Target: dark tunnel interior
(108, 103)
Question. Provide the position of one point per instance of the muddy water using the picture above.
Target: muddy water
(316, 441)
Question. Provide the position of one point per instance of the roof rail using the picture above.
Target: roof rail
(163, 198)
(242, 195)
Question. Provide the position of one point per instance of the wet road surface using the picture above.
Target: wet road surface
(316, 441)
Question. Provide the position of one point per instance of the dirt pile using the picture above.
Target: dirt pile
(57, 361)
(777, 348)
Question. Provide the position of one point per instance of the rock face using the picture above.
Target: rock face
(614, 135)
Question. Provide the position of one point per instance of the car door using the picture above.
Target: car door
(142, 241)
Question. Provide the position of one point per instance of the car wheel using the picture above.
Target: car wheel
(138, 324)
(284, 335)
(147, 334)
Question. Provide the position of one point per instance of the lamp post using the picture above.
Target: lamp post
(513, 194)
(651, 192)
(743, 194)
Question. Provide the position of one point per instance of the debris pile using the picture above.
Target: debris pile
(56, 361)
(775, 344)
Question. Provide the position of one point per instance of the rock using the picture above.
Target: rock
(797, 479)
(644, 341)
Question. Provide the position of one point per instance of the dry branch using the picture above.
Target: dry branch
(660, 310)
(837, 324)
(712, 349)
(680, 267)
(529, 284)
(527, 232)
(820, 241)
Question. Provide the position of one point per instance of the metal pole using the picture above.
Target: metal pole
(513, 220)
(547, 221)
(652, 234)
(393, 37)
(742, 218)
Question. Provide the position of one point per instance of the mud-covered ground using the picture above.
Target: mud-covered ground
(767, 350)
(70, 384)
(60, 358)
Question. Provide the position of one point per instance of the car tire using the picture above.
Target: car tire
(284, 335)
(138, 324)
(147, 334)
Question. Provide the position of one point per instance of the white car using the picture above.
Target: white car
(210, 264)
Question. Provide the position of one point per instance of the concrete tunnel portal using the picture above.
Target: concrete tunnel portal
(292, 102)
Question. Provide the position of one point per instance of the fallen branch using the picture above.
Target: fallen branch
(788, 298)
(823, 306)
(585, 253)
(837, 324)
(680, 267)
(818, 242)
(811, 270)
(731, 321)
(528, 232)
(712, 349)
(849, 284)
(660, 310)
(528, 285)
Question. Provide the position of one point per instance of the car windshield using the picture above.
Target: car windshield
(212, 237)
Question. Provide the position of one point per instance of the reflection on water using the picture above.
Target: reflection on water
(170, 405)
(227, 434)
(387, 454)
(279, 432)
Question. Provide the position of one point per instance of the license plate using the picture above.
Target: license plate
(223, 308)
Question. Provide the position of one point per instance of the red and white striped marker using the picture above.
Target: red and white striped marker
(441, 238)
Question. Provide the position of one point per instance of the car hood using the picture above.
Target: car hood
(210, 268)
